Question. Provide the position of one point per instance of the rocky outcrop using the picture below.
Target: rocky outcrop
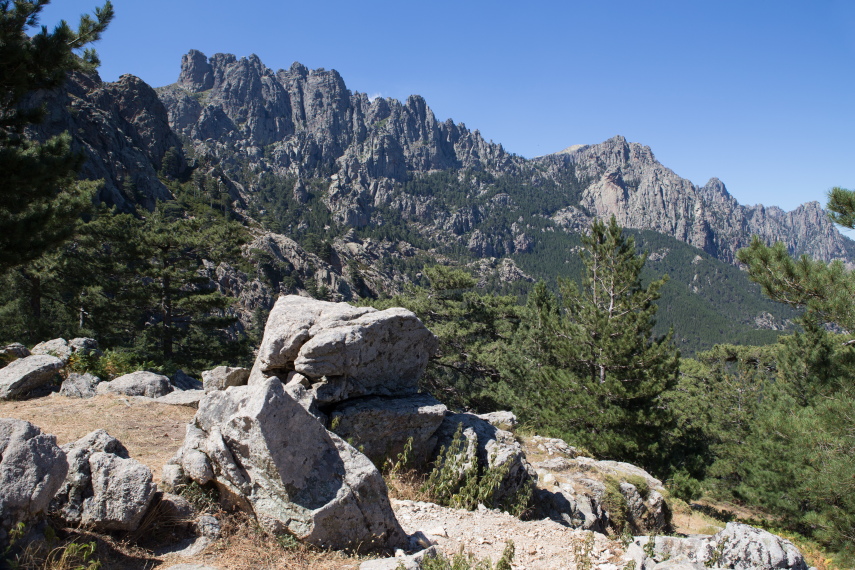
(123, 131)
(104, 489)
(737, 546)
(32, 469)
(140, 383)
(344, 351)
(626, 181)
(270, 456)
(582, 492)
(20, 377)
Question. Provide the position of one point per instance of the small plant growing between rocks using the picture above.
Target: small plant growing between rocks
(467, 561)
(203, 499)
(457, 481)
(582, 550)
(615, 503)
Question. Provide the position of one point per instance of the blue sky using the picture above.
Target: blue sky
(758, 93)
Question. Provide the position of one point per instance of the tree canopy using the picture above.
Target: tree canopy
(40, 197)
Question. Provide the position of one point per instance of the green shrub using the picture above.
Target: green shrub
(684, 486)
(615, 503)
(457, 481)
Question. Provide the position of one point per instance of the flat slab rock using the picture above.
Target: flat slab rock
(140, 383)
(22, 376)
(540, 545)
(737, 546)
(356, 351)
(189, 398)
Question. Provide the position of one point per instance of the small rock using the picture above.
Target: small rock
(222, 377)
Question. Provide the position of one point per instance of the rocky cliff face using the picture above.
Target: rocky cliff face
(123, 130)
(300, 123)
(625, 180)
(304, 123)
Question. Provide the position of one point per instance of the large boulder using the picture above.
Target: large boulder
(140, 383)
(267, 454)
(222, 377)
(32, 469)
(105, 489)
(491, 447)
(381, 427)
(345, 351)
(79, 385)
(737, 546)
(57, 347)
(22, 376)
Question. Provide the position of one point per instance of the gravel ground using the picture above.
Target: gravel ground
(538, 544)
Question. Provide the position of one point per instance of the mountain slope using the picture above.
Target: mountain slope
(369, 191)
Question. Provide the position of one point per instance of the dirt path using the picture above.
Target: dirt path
(544, 544)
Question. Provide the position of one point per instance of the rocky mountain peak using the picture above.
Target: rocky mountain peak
(196, 73)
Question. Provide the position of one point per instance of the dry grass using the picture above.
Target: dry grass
(407, 486)
(151, 432)
(246, 547)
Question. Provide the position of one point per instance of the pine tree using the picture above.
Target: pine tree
(40, 197)
(614, 367)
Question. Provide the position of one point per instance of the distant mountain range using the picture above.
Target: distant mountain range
(299, 154)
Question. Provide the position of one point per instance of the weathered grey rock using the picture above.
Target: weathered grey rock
(576, 510)
(222, 377)
(79, 385)
(22, 376)
(12, 351)
(208, 526)
(84, 346)
(104, 488)
(582, 484)
(182, 398)
(140, 383)
(501, 420)
(181, 381)
(32, 469)
(348, 351)
(409, 562)
(380, 427)
(491, 447)
(268, 455)
(749, 547)
(737, 546)
(57, 347)
(555, 446)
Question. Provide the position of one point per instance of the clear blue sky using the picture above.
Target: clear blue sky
(758, 93)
